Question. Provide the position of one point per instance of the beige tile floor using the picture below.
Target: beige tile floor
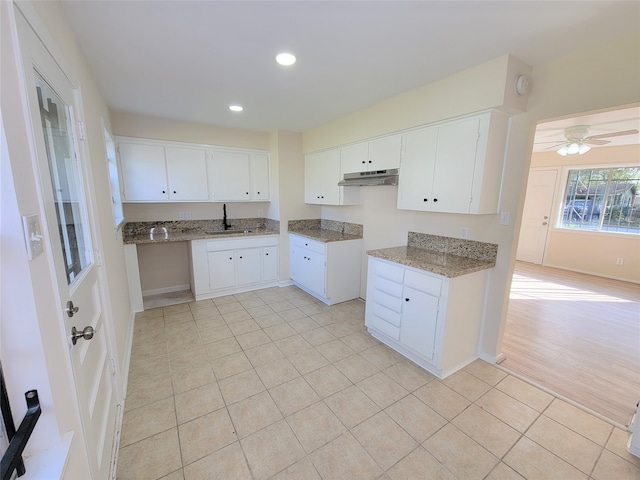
(273, 384)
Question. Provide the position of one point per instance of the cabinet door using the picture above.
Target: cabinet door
(270, 263)
(260, 176)
(222, 269)
(354, 158)
(187, 174)
(384, 153)
(454, 168)
(248, 265)
(330, 174)
(417, 167)
(419, 321)
(314, 272)
(229, 178)
(313, 178)
(144, 175)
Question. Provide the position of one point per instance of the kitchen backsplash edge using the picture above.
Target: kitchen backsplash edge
(322, 224)
(140, 228)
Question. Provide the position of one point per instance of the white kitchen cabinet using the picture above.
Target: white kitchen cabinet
(377, 154)
(434, 321)
(186, 174)
(455, 166)
(156, 173)
(330, 271)
(238, 176)
(233, 265)
(321, 177)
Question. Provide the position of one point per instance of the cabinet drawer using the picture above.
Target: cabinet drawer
(309, 244)
(385, 327)
(423, 283)
(388, 315)
(393, 303)
(390, 272)
(386, 286)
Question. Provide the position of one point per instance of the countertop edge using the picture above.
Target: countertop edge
(187, 237)
(338, 237)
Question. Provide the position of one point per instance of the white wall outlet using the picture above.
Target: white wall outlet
(464, 232)
(620, 261)
(504, 218)
(181, 216)
(260, 213)
(187, 215)
(32, 235)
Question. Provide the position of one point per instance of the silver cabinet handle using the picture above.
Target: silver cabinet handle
(87, 333)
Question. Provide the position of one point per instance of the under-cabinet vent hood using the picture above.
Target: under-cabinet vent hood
(366, 179)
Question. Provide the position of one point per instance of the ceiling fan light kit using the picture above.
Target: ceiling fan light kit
(578, 139)
(573, 148)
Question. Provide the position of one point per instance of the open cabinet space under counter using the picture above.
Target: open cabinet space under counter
(428, 303)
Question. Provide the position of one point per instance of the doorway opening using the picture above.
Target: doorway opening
(572, 323)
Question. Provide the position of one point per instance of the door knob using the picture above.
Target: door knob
(71, 310)
(87, 333)
(544, 223)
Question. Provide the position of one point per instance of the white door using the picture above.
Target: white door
(536, 216)
(63, 184)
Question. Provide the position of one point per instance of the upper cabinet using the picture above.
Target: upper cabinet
(156, 171)
(321, 177)
(238, 176)
(454, 167)
(378, 154)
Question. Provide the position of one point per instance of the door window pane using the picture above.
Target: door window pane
(65, 178)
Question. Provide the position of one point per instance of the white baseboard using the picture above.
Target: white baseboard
(162, 291)
(494, 360)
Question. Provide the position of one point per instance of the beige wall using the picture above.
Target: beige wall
(584, 251)
(571, 85)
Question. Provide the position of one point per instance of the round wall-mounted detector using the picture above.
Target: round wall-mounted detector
(522, 84)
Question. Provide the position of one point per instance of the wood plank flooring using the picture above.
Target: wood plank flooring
(577, 335)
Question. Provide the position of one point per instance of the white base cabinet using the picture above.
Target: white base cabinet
(330, 271)
(228, 266)
(434, 321)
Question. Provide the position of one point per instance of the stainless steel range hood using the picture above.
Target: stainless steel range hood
(367, 179)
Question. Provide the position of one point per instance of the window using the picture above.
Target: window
(114, 179)
(604, 199)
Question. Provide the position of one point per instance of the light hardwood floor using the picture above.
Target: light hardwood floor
(577, 335)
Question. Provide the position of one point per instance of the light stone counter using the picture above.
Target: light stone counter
(446, 256)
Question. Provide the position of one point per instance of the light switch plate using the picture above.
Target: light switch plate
(32, 235)
(504, 218)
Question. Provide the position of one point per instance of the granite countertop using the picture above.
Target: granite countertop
(187, 230)
(160, 236)
(325, 235)
(445, 264)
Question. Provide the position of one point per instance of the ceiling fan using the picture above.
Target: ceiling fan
(579, 141)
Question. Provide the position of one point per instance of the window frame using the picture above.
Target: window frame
(566, 171)
(113, 171)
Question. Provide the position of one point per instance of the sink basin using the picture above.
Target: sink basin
(225, 232)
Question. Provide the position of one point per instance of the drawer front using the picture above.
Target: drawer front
(386, 314)
(304, 242)
(391, 302)
(385, 327)
(390, 272)
(423, 283)
(386, 286)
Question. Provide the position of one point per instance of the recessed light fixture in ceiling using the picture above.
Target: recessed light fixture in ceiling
(286, 59)
(236, 108)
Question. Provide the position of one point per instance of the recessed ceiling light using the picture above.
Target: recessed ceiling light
(236, 108)
(286, 59)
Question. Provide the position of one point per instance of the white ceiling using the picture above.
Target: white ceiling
(189, 60)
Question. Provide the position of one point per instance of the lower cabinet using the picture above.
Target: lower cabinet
(330, 271)
(434, 321)
(223, 267)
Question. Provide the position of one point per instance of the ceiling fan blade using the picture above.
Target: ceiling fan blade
(613, 134)
(595, 141)
(556, 146)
